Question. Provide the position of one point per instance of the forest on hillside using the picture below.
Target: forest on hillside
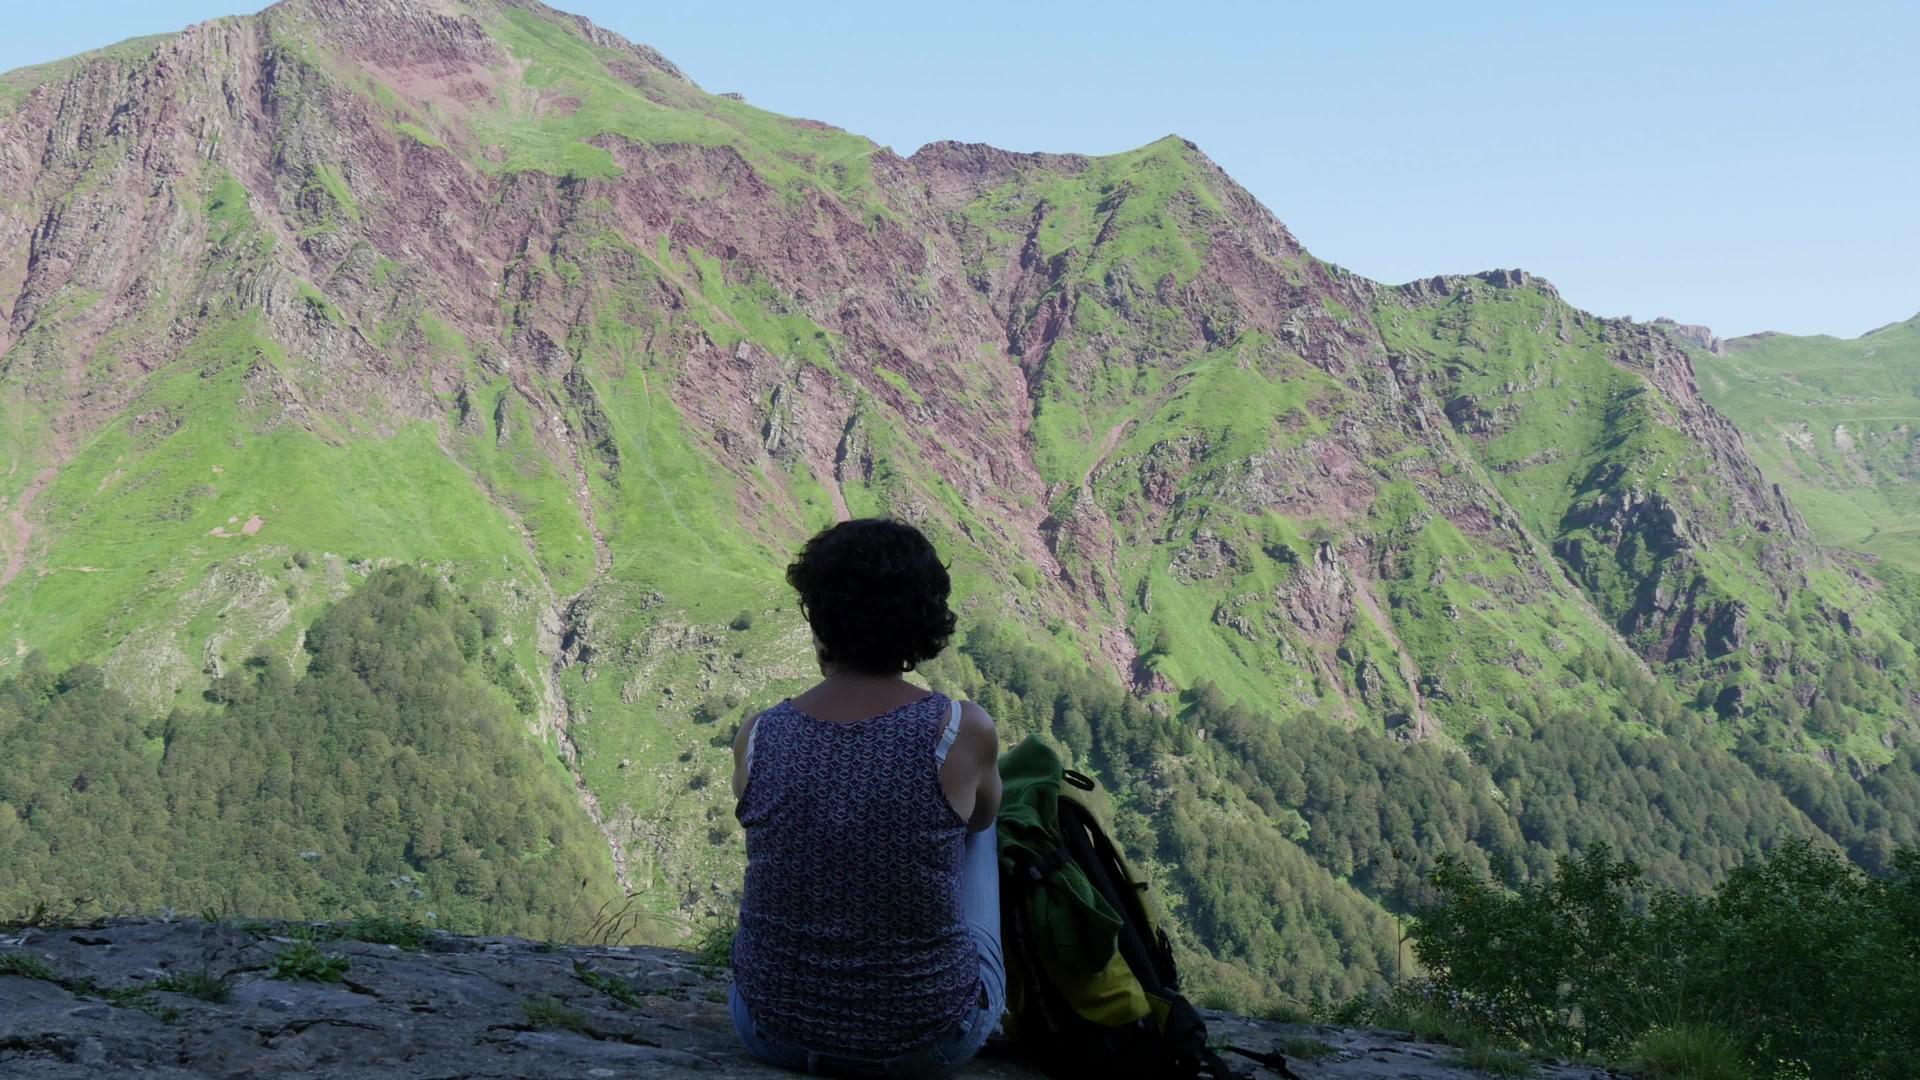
(395, 776)
(389, 777)
(1288, 847)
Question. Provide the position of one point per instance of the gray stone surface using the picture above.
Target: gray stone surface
(456, 1009)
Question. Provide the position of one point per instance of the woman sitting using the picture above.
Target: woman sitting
(869, 940)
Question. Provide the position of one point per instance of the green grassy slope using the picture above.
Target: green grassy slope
(1644, 516)
(1833, 421)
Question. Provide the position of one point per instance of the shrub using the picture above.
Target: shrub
(1424, 1010)
(1534, 959)
(1799, 962)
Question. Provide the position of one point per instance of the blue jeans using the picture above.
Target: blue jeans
(980, 907)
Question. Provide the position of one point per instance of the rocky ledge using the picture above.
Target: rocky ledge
(198, 999)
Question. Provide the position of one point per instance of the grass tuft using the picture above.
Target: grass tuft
(304, 961)
(614, 987)
(1493, 1061)
(47, 916)
(1304, 1048)
(202, 984)
(140, 999)
(551, 1012)
(23, 965)
(1689, 1052)
(713, 942)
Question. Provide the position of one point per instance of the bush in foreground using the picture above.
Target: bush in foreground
(1800, 964)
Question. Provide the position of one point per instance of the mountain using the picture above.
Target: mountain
(1323, 577)
(1834, 421)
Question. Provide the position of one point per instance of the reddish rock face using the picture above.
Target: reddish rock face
(659, 335)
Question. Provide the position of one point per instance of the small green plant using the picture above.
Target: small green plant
(712, 709)
(1304, 1048)
(1493, 1061)
(48, 916)
(550, 1012)
(614, 987)
(216, 914)
(303, 960)
(140, 999)
(202, 984)
(25, 966)
(713, 942)
(1689, 1052)
(742, 621)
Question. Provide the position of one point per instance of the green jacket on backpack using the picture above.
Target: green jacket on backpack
(1092, 988)
(1077, 929)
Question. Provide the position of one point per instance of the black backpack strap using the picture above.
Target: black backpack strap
(1028, 875)
(1134, 909)
(1079, 842)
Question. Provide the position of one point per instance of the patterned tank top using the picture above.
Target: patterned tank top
(851, 938)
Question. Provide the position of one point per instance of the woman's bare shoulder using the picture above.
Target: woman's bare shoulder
(977, 730)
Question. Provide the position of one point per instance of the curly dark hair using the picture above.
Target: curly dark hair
(875, 593)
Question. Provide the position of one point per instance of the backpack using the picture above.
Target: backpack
(1091, 984)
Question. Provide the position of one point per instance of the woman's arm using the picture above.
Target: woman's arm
(976, 729)
(740, 758)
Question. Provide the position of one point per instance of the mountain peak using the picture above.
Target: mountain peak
(412, 29)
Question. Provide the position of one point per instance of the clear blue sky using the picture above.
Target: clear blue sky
(1747, 165)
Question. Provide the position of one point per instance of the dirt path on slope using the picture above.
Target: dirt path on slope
(22, 527)
(1107, 447)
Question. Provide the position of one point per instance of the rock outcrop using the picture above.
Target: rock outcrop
(90, 1003)
(1700, 337)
